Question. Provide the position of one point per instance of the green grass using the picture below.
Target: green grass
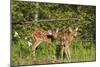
(21, 54)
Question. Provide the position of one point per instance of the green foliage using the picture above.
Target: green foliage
(25, 11)
(83, 51)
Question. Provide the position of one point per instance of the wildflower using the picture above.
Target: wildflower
(16, 34)
(25, 38)
(29, 43)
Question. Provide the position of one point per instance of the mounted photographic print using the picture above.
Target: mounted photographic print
(52, 33)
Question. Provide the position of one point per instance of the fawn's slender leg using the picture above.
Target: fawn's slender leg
(62, 52)
(33, 48)
(62, 49)
(35, 45)
(66, 53)
(69, 54)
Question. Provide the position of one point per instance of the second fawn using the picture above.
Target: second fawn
(66, 42)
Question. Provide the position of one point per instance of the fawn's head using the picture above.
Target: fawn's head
(73, 32)
(55, 33)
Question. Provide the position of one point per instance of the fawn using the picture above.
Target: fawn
(41, 35)
(66, 42)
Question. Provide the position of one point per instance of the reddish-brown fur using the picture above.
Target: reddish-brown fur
(40, 36)
(66, 41)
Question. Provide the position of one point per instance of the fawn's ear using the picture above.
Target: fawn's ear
(70, 29)
(76, 29)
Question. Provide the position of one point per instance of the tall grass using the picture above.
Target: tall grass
(83, 51)
(21, 54)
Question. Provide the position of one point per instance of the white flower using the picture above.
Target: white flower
(16, 34)
(29, 43)
(25, 38)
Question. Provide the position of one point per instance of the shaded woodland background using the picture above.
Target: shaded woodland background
(24, 21)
